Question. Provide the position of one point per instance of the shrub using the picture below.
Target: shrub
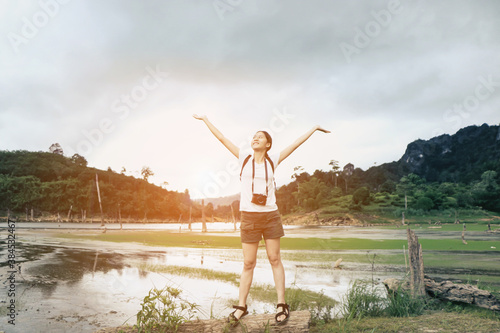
(424, 203)
(361, 195)
(163, 310)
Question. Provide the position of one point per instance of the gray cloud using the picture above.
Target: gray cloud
(412, 66)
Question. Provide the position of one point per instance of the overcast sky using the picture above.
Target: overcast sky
(118, 81)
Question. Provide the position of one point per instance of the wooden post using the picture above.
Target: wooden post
(234, 219)
(417, 284)
(99, 197)
(69, 212)
(190, 218)
(120, 216)
(95, 262)
(403, 220)
(406, 260)
(203, 217)
(463, 235)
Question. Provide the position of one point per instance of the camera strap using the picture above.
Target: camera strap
(253, 173)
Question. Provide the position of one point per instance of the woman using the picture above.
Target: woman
(259, 212)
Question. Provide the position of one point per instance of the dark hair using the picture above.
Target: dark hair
(268, 138)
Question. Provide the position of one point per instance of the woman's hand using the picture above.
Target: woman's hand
(321, 129)
(200, 117)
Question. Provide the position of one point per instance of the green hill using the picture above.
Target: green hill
(52, 183)
(448, 172)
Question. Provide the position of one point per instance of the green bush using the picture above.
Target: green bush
(163, 311)
(424, 203)
(361, 196)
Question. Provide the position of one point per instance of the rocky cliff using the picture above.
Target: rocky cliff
(459, 157)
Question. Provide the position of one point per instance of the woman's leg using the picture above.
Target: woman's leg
(274, 256)
(249, 262)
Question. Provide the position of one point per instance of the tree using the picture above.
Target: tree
(361, 195)
(407, 185)
(335, 169)
(56, 148)
(487, 192)
(209, 209)
(347, 173)
(389, 186)
(312, 193)
(79, 160)
(424, 203)
(295, 176)
(146, 172)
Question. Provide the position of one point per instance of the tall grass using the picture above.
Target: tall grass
(361, 300)
(402, 304)
(318, 304)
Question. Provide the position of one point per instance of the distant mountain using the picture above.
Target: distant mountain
(461, 157)
(222, 201)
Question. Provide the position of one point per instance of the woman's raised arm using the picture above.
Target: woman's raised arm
(228, 144)
(290, 149)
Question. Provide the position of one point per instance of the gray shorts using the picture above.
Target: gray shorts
(254, 225)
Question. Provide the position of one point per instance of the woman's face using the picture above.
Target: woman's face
(259, 142)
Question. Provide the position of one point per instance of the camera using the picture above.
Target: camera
(259, 199)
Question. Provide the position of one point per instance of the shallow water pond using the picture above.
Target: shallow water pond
(80, 285)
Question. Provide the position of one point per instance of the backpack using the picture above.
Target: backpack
(267, 158)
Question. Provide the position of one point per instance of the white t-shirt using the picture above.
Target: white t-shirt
(246, 204)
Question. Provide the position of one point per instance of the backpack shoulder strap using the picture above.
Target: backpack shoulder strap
(244, 163)
(270, 162)
(272, 167)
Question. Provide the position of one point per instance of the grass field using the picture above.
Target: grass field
(173, 239)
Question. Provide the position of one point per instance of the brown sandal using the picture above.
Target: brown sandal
(286, 312)
(232, 318)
